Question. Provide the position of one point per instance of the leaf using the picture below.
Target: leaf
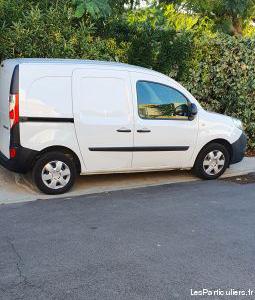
(95, 8)
(80, 11)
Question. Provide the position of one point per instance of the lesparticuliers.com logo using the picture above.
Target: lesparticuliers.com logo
(221, 292)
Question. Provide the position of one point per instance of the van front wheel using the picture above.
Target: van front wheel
(212, 162)
(54, 173)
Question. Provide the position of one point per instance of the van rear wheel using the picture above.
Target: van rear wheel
(54, 173)
(212, 162)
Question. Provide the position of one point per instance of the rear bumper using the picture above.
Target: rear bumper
(238, 149)
(23, 161)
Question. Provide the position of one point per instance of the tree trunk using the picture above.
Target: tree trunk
(237, 26)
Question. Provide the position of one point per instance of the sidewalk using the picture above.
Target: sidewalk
(15, 188)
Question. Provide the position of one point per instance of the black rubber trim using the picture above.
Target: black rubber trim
(124, 130)
(23, 161)
(140, 149)
(47, 120)
(15, 136)
(14, 88)
(239, 149)
(143, 130)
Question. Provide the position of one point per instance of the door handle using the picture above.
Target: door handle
(144, 130)
(124, 130)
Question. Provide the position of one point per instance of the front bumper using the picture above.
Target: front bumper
(239, 149)
(23, 161)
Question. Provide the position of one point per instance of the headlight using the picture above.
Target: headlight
(238, 123)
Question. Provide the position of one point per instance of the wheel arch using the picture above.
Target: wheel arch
(222, 142)
(61, 149)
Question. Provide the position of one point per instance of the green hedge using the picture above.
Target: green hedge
(222, 78)
(49, 29)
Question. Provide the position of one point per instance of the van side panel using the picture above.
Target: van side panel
(45, 91)
(41, 135)
(6, 72)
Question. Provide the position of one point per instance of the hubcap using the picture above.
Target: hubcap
(214, 162)
(56, 174)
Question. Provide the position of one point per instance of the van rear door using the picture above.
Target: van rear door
(6, 80)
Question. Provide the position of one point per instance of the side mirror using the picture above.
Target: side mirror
(192, 111)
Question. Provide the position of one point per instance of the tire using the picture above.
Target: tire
(54, 173)
(212, 162)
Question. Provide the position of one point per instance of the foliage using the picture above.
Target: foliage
(102, 8)
(222, 78)
(51, 31)
(234, 8)
(230, 16)
(155, 44)
(159, 37)
(95, 8)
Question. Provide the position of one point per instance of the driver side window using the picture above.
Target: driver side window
(160, 102)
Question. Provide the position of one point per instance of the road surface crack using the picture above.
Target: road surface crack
(19, 262)
(19, 267)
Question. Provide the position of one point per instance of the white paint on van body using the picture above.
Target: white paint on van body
(102, 104)
(162, 132)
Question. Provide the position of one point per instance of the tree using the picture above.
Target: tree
(230, 15)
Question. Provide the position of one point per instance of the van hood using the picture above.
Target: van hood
(220, 117)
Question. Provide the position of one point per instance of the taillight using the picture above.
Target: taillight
(14, 109)
(13, 152)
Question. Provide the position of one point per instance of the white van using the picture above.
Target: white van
(60, 118)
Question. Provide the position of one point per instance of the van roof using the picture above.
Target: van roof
(76, 62)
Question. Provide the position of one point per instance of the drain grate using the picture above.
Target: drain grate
(243, 179)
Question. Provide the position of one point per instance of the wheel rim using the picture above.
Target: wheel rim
(56, 174)
(214, 162)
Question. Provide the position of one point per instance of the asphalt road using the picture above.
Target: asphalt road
(149, 243)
